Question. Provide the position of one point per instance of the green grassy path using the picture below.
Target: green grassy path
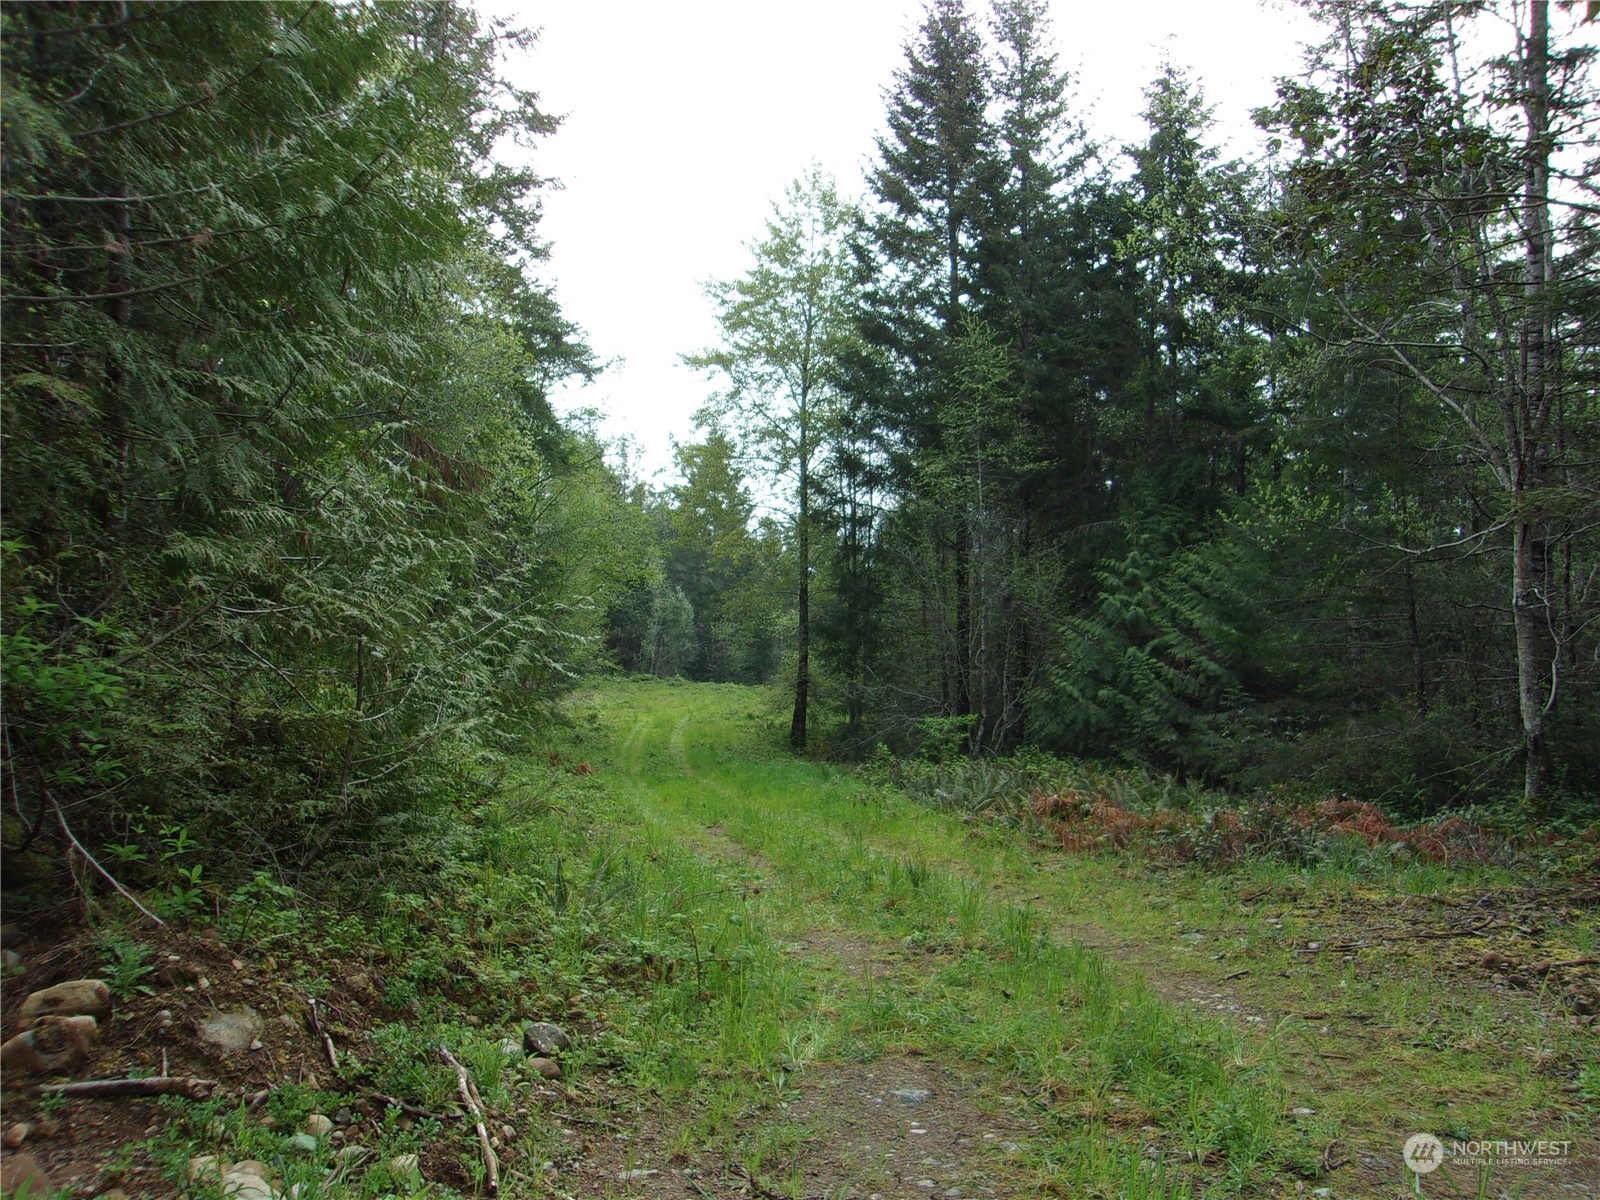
(907, 945)
(1099, 1027)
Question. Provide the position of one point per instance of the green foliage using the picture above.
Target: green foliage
(125, 963)
(1147, 674)
(294, 547)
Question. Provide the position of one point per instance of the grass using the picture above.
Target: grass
(722, 923)
(1118, 1077)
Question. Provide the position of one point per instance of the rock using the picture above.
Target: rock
(209, 935)
(232, 1031)
(405, 1167)
(1493, 961)
(16, 1135)
(318, 1126)
(164, 1017)
(360, 982)
(510, 1048)
(303, 1143)
(204, 1168)
(545, 1039)
(343, 1116)
(638, 1173)
(251, 1166)
(75, 998)
(238, 1186)
(11, 958)
(911, 1095)
(1580, 1002)
(548, 1067)
(55, 1045)
(350, 1154)
(509, 1132)
(19, 1172)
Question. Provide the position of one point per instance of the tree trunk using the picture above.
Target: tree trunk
(1537, 678)
(802, 677)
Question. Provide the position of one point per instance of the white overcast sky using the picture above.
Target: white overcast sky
(684, 120)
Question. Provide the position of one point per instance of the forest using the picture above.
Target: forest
(1116, 668)
(1251, 473)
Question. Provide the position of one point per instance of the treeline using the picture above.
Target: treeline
(295, 549)
(1249, 472)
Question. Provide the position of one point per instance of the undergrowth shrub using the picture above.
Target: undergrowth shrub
(1084, 808)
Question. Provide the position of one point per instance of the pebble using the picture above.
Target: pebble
(351, 1153)
(911, 1095)
(317, 1125)
(16, 1135)
(405, 1166)
(304, 1143)
(927, 1183)
(12, 959)
(638, 1173)
(164, 1017)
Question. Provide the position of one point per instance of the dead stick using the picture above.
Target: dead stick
(91, 1089)
(469, 1097)
(411, 1110)
(327, 1042)
(759, 1187)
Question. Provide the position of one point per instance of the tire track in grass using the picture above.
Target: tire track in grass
(1135, 1100)
(838, 1123)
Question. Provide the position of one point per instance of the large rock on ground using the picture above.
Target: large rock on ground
(234, 1030)
(75, 998)
(545, 1039)
(55, 1045)
(21, 1171)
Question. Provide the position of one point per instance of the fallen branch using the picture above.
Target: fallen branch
(755, 1184)
(316, 1028)
(469, 1097)
(411, 1110)
(102, 1089)
(61, 818)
